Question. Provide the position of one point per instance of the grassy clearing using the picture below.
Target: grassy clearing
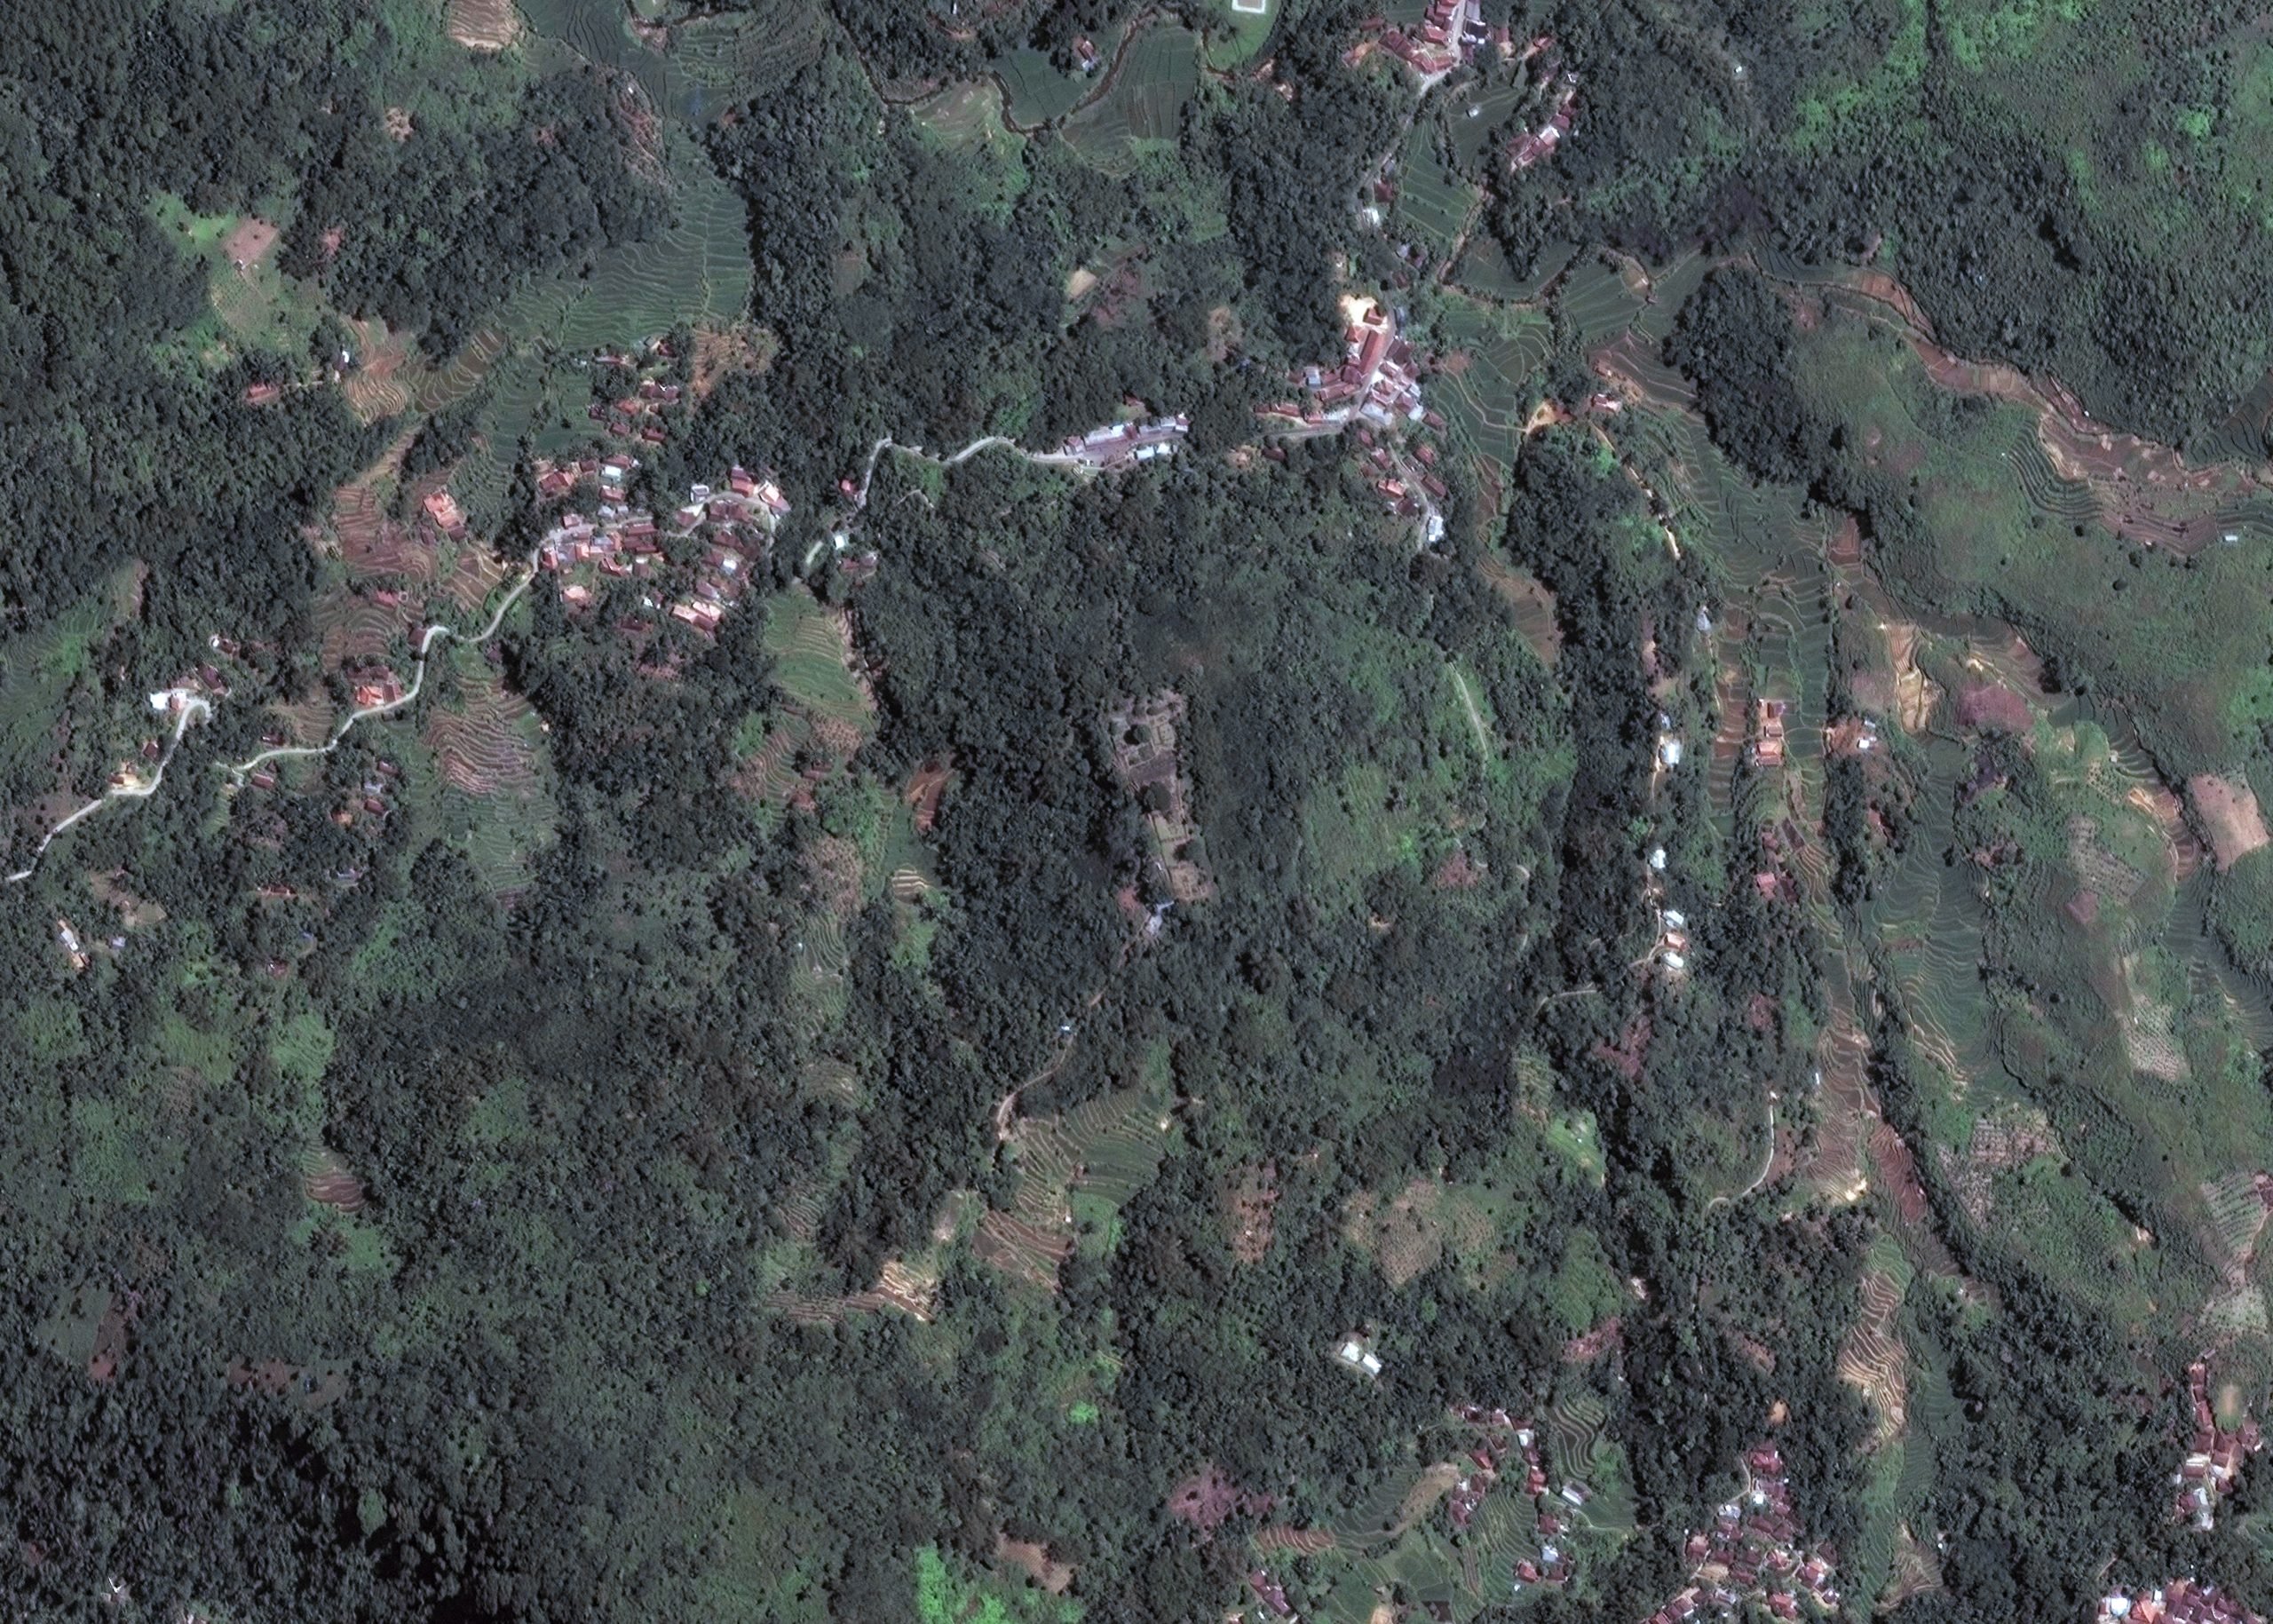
(1250, 32)
(966, 122)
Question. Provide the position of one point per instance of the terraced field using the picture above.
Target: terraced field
(1873, 1359)
(699, 271)
(721, 60)
(481, 25)
(1487, 393)
(432, 389)
(813, 645)
(1598, 302)
(488, 749)
(375, 546)
(1434, 205)
(1153, 78)
(597, 31)
(1082, 1165)
(356, 630)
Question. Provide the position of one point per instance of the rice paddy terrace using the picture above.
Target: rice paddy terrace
(2047, 986)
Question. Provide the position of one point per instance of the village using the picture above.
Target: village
(734, 525)
(2181, 1601)
(1376, 387)
(1755, 1551)
(1449, 35)
(2214, 1456)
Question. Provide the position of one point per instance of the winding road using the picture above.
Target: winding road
(1040, 459)
(433, 633)
(196, 708)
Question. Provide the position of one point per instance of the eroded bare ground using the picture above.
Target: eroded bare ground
(482, 25)
(2229, 816)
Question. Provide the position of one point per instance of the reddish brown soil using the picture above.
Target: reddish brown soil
(1604, 1338)
(2229, 817)
(250, 241)
(1458, 872)
(1898, 1168)
(927, 789)
(1055, 1577)
(334, 1185)
(1633, 1048)
(1249, 1197)
(1992, 707)
(1208, 1497)
(721, 351)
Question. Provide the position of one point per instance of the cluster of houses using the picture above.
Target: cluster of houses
(1755, 1552)
(1560, 87)
(2214, 1456)
(1376, 380)
(1271, 1593)
(367, 804)
(2182, 1601)
(1502, 1443)
(640, 413)
(1671, 946)
(734, 525)
(1768, 733)
(1119, 444)
(1376, 386)
(1449, 35)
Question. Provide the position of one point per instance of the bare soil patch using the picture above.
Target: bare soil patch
(482, 25)
(2229, 816)
(1586, 1349)
(1055, 1577)
(721, 351)
(398, 126)
(1249, 1197)
(1224, 333)
(1209, 1497)
(250, 241)
(1992, 707)
(926, 789)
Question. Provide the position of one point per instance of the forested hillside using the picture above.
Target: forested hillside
(856, 810)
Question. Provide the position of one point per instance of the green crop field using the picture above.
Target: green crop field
(597, 31)
(1035, 90)
(1143, 108)
(1434, 205)
(806, 639)
(1487, 397)
(718, 61)
(698, 270)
